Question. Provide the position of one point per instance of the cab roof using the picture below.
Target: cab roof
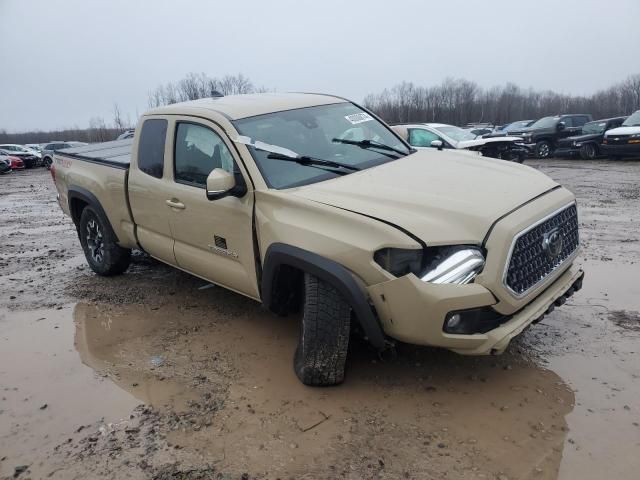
(235, 107)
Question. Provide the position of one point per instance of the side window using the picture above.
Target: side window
(197, 151)
(421, 138)
(151, 147)
(579, 121)
(568, 122)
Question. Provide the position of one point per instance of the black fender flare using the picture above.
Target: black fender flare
(79, 193)
(331, 272)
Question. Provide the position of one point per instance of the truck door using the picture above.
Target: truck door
(213, 239)
(149, 189)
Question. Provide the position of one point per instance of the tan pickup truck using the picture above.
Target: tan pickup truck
(309, 203)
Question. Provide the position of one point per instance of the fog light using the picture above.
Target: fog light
(453, 322)
(477, 320)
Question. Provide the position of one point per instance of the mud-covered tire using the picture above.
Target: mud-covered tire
(103, 254)
(543, 149)
(588, 151)
(324, 335)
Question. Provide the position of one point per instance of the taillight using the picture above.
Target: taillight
(52, 169)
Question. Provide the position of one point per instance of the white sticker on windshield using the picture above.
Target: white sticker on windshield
(356, 118)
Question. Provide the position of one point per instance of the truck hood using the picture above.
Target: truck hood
(484, 141)
(440, 197)
(622, 131)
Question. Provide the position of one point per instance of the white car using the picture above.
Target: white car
(623, 141)
(441, 135)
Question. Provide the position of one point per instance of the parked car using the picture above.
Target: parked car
(623, 141)
(268, 196)
(30, 158)
(50, 148)
(443, 136)
(587, 145)
(14, 162)
(543, 135)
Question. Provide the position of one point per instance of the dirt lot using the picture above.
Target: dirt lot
(157, 375)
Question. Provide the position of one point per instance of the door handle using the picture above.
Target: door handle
(174, 203)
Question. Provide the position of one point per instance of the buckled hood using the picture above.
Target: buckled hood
(441, 197)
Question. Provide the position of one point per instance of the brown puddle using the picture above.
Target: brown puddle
(426, 412)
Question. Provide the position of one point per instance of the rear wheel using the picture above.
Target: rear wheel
(588, 151)
(103, 254)
(47, 162)
(324, 337)
(543, 149)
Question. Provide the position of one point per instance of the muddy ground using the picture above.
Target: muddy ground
(156, 375)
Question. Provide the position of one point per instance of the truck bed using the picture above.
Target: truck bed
(115, 154)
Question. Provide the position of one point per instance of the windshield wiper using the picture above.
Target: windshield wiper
(370, 144)
(313, 162)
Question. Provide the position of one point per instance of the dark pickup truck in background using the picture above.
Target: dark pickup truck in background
(588, 144)
(543, 136)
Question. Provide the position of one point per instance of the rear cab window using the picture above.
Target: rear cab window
(151, 147)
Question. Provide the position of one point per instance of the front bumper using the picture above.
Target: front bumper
(628, 150)
(414, 311)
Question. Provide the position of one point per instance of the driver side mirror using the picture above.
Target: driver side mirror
(561, 126)
(220, 184)
(437, 144)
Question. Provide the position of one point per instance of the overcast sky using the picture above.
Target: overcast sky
(63, 62)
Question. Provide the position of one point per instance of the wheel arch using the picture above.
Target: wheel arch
(281, 260)
(79, 199)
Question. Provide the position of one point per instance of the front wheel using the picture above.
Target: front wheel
(47, 162)
(324, 337)
(103, 254)
(588, 151)
(543, 149)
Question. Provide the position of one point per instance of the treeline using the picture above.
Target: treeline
(459, 101)
(191, 87)
(455, 101)
(200, 85)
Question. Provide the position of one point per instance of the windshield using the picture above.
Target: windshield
(546, 122)
(456, 133)
(517, 125)
(594, 127)
(310, 132)
(633, 120)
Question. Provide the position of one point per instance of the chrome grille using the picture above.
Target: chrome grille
(537, 251)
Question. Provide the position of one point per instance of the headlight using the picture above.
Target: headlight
(455, 265)
(577, 144)
(399, 261)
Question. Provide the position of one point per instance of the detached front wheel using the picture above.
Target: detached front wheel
(324, 337)
(103, 254)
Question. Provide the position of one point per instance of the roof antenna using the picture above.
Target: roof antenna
(216, 94)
